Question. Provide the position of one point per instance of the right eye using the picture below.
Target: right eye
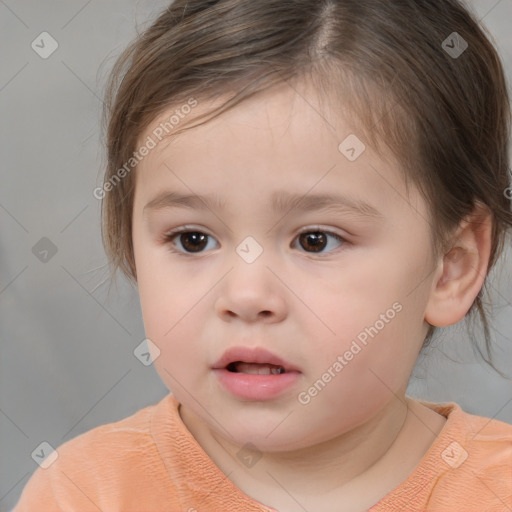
(192, 241)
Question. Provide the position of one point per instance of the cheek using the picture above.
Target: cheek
(166, 303)
(357, 378)
(171, 323)
(169, 314)
(375, 342)
(354, 301)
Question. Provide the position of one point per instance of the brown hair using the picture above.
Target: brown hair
(446, 117)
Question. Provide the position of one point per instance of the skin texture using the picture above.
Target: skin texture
(360, 436)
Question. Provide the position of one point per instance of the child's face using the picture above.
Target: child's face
(349, 318)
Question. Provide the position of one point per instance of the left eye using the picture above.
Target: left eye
(194, 242)
(318, 239)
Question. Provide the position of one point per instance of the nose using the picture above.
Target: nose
(251, 292)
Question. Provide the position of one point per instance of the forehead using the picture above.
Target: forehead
(281, 136)
(271, 110)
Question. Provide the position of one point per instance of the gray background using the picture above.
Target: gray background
(67, 362)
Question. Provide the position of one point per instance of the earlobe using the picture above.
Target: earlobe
(461, 272)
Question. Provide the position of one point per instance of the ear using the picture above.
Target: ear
(461, 272)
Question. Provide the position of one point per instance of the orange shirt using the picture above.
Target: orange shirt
(151, 462)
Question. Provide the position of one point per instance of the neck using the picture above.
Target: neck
(342, 459)
(321, 468)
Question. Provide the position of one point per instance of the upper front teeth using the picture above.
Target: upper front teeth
(259, 369)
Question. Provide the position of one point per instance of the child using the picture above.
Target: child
(293, 253)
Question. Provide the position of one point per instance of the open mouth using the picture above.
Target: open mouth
(255, 368)
(255, 374)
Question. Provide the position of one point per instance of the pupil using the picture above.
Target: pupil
(199, 240)
(316, 239)
(196, 241)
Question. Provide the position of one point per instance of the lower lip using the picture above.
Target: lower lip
(254, 386)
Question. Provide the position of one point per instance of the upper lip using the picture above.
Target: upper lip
(251, 355)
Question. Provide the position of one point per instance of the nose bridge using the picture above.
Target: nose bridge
(251, 290)
(250, 250)
(249, 273)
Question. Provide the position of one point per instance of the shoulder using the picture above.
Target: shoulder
(476, 460)
(487, 441)
(101, 462)
(109, 442)
(467, 467)
(489, 449)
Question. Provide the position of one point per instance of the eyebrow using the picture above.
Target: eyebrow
(281, 201)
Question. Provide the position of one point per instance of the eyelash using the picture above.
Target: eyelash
(169, 236)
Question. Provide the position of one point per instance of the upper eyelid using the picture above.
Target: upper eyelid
(307, 229)
(187, 229)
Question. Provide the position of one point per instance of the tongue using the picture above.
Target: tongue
(258, 369)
